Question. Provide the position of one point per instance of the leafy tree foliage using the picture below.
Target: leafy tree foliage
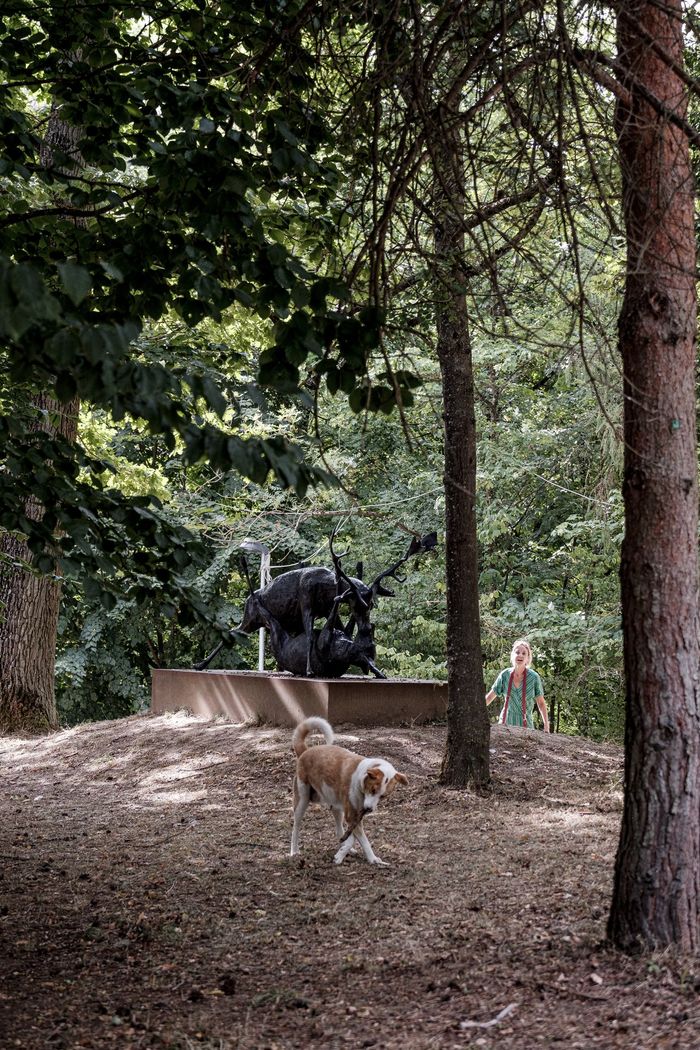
(549, 530)
(201, 153)
(548, 525)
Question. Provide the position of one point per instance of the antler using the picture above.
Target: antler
(342, 576)
(243, 565)
(416, 546)
(336, 557)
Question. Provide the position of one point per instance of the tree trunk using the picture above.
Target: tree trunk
(466, 759)
(27, 646)
(29, 604)
(657, 878)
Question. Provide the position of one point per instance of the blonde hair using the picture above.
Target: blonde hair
(526, 644)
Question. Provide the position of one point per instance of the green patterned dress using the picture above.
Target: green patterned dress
(512, 713)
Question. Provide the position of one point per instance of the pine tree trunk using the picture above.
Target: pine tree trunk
(466, 759)
(657, 879)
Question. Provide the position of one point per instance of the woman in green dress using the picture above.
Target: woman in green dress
(521, 687)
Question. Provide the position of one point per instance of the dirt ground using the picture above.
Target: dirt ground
(147, 900)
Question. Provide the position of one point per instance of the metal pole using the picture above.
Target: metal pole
(264, 579)
(263, 551)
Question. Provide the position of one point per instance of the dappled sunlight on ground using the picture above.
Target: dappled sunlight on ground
(146, 864)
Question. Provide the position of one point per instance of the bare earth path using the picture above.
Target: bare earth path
(146, 900)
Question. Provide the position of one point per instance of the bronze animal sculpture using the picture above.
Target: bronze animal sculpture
(296, 599)
(332, 651)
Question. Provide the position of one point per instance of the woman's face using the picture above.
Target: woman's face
(520, 656)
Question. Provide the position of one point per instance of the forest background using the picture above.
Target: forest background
(539, 158)
(550, 524)
(299, 267)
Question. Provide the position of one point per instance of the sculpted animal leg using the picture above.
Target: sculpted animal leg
(208, 659)
(374, 669)
(308, 620)
(278, 641)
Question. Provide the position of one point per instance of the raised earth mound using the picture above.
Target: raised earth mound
(147, 900)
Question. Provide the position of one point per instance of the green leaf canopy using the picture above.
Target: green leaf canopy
(158, 161)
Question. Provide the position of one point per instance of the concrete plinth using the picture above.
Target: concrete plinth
(281, 699)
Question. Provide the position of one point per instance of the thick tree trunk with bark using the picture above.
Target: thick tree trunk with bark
(29, 605)
(27, 646)
(657, 879)
(466, 759)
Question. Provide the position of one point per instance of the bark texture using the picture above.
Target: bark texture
(27, 647)
(29, 605)
(466, 759)
(657, 879)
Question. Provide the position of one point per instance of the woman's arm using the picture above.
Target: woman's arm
(490, 696)
(542, 708)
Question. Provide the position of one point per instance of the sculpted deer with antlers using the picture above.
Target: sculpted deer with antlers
(332, 651)
(296, 599)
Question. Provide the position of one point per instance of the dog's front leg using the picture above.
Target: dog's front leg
(369, 853)
(339, 822)
(358, 835)
(345, 848)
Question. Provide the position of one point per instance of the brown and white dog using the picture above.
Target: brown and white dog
(350, 784)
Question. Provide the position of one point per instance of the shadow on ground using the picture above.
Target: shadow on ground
(147, 899)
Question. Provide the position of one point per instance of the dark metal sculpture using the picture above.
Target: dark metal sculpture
(331, 651)
(291, 603)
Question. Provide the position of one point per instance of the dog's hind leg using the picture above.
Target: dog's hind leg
(302, 797)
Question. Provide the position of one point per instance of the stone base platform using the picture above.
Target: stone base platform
(280, 699)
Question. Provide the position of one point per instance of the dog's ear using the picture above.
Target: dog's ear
(398, 778)
(374, 778)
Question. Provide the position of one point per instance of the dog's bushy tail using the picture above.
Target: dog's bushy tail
(309, 725)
